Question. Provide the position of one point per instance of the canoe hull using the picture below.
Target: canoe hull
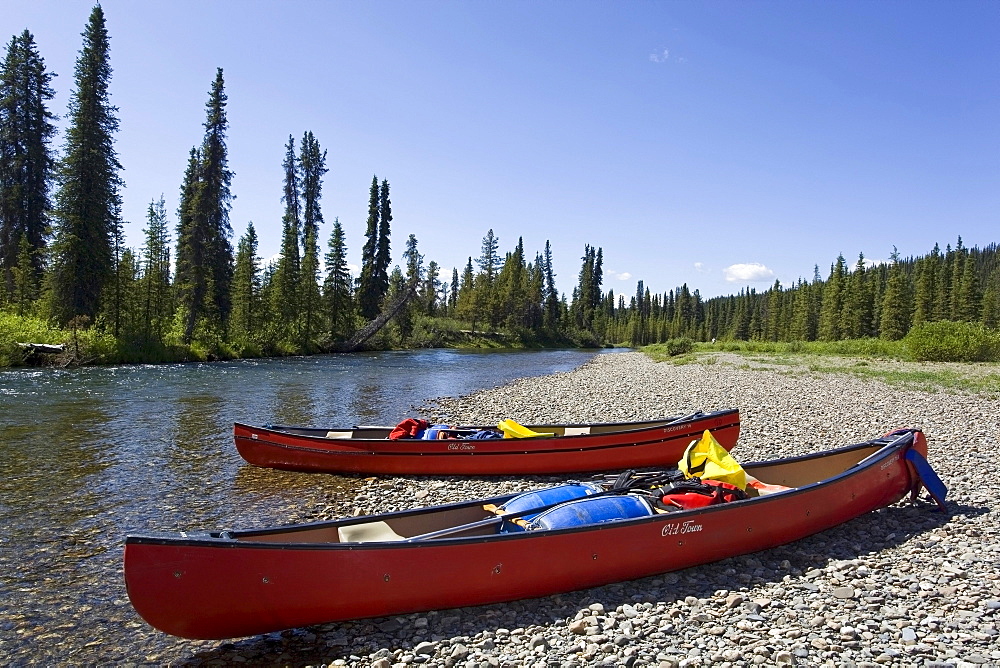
(211, 588)
(630, 447)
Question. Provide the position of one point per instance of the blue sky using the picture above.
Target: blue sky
(718, 144)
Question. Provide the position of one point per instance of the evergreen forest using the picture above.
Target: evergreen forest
(68, 279)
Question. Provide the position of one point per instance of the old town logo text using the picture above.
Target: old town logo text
(675, 528)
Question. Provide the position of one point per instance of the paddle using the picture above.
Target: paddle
(928, 477)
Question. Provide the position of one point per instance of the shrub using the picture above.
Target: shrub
(669, 348)
(947, 341)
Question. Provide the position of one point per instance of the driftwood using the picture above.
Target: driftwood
(43, 348)
(378, 323)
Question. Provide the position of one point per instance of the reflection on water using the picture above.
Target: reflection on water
(89, 455)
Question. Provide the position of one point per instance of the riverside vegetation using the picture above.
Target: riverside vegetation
(67, 278)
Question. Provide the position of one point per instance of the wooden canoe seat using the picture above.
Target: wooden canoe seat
(369, 532)
(576, 431)
(340, 434)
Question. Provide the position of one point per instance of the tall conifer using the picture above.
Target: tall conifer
(155, 282)
(551, 295)
(383, 256)
(337, 285)
(285, 286)
(312, 167)
(896, 303)
(26, 161)
(369, 297)
(88, 204)
(245, 323)
(204, 252)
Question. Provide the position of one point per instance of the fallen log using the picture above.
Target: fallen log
(43, 348)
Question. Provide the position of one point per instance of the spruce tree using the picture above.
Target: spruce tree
(512, 288)
(832, 305)
(155, 282)
(969, 298)
(24, 288)
(312, 167)
(88, 204)
(490, 265)
(926, 269)
(246, 320)
(369, 297)
(466, 303)
(337, 285)
(204, 252)
(26, 161)
(414, 262)
(453, 297)
(772, 320)
(990, 312)
(432, 284)
(856, 306)
(551, 295)
(942, 297)
(191, 273)
(309, 296)
(896, 303)
(286, 288)
(383, 257)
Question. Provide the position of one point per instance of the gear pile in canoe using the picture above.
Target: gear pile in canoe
(222, 584)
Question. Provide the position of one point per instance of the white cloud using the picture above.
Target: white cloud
(752, 272)
(699, 267)
(661, 56)
(624, 276)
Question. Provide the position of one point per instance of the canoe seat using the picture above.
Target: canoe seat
(576, 431)
(339, 434)
(369, 532)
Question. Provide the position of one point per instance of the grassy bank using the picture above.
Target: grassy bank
(888, 361)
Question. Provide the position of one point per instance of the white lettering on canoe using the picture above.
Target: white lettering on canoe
(889, 462)
(674, 528)
(461, 446)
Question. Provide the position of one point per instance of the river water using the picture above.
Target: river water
(89, 455)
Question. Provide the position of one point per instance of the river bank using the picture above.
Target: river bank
(903, 586)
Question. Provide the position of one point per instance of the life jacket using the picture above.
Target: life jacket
(697, 493)
(409, 428)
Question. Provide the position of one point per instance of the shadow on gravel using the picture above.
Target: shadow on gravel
(863, 538)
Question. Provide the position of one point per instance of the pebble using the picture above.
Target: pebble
(901, 586)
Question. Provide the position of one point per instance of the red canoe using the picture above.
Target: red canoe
(237, 583)
(574, 448)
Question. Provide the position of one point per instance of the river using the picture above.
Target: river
(88, 455)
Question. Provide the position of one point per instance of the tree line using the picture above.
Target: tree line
(882, 300)
(63, 258)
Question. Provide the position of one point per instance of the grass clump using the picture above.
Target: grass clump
(669, 349)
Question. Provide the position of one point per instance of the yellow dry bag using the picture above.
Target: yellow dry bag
(706, 459)
(512, 429)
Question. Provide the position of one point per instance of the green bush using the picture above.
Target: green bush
(947, 341)
(16, 329)
(669, 348)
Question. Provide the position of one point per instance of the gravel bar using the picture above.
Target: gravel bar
(903, 586)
